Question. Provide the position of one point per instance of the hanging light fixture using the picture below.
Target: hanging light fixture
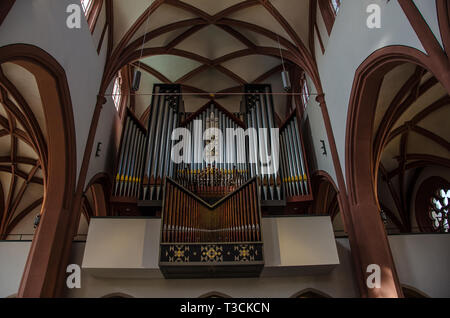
(137, 73)
(284, 74)
(136, 80)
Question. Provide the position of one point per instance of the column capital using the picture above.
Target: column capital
(321, 100)
(101, 100)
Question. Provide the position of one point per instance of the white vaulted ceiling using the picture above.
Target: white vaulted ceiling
(209, 45)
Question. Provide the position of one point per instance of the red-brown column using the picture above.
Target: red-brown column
(45, 270)
(367, 236)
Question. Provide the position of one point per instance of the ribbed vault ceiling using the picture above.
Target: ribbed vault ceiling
(209, 46)
(414, 109)
(21, 167)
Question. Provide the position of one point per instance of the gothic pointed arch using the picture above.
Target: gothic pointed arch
(117, 295)
(412, 292)
(326, 194)
(214, 294)
(53, 236)
(363, 148)
(310, 293)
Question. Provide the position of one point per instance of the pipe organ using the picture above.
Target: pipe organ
(209, 175)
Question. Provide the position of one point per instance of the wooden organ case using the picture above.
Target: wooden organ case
(233, 168)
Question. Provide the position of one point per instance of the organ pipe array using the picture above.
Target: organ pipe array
(218, 160)
(283, 148)
(188, 219)
(294, 167)
(163, 120)
(260, 116)
(131, 158)
(220, 151)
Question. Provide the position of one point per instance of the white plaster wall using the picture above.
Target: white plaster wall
(106, 132)
(97, 34)
(13, 256)
(423, 261)
(338, 283)
(317, 132)
(116, 243)
(429, 13)
(43, 23)
(351, 42)
(124, 244)
(299, 241)
(322, 32)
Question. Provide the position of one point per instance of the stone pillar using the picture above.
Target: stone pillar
(368, 240)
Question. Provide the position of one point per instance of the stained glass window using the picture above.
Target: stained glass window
(117, 92)
(439, 210)
(305, 93)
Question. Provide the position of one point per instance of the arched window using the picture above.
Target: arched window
(335, 4)
(329, 9)
(305, 92)
(92, 10)
(117, 92)
(432, 205)
(87, 6)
